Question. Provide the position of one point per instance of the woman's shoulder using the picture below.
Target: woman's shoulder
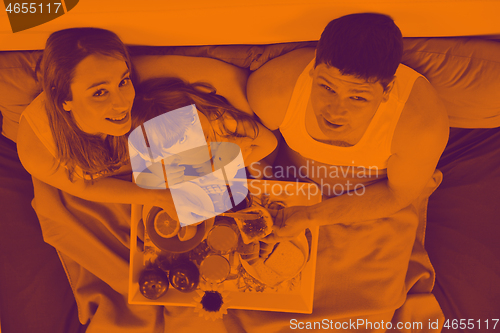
(36, 108)
(33, 153)
(35, 117)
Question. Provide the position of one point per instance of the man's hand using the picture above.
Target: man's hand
(288, 223)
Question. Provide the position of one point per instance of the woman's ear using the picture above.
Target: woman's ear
(67, 106)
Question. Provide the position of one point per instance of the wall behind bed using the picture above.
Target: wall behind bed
(217, 22)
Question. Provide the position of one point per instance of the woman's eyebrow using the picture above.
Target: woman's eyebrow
(107, 82)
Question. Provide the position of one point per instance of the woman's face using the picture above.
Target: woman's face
(102, 96)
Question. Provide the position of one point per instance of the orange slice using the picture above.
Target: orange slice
(187, 232)
(165, 226)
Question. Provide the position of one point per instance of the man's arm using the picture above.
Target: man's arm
(419, 140)
(229, 81)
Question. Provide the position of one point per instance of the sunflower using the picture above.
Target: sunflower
(211, 301)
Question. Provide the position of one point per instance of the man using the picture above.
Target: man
(369, 132)
(362, 124)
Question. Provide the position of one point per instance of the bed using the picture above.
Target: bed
(457, 49)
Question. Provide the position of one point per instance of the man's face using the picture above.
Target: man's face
(343, 104)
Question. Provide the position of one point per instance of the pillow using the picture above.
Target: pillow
(18, 86)
(238, 55)
(244, 56)
(275, 50)
(465, 73)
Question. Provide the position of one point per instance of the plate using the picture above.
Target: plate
(301, 242)
(173, 244)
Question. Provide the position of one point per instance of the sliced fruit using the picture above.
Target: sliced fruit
(187, 232)
(165, 226)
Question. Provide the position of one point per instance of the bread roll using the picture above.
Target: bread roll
(286, 259)
(267, 275)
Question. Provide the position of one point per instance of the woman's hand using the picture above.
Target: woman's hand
(203, 169)
(175, 174)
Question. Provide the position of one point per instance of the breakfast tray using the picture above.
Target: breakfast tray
(245, 291)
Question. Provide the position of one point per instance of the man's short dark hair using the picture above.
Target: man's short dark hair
(366, 45)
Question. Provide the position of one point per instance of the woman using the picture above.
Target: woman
(72, 136)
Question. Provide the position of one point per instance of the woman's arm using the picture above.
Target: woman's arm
(262, 146)
(40, 163)
(229, 81)
(257, 159)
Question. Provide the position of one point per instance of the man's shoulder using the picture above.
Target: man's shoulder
(424, 117)
(270, 88)
(293, 62)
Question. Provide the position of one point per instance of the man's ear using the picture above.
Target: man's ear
(68, 106)
(388, 89)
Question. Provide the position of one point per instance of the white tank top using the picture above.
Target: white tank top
(374, 147)
(36, 116)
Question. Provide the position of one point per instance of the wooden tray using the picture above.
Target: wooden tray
(245, 292)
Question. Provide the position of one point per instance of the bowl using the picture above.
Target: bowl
(174, 244)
